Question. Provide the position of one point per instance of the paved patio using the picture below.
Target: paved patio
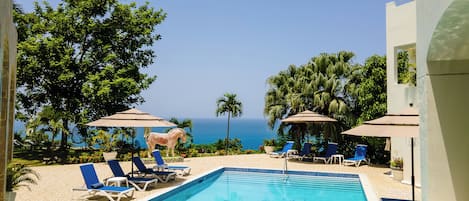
(57, 181)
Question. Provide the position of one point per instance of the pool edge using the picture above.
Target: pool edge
(149, 197)
(370, 194)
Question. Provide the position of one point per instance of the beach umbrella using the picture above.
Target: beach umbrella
(403, 124)
(131, 118)
(306, 117)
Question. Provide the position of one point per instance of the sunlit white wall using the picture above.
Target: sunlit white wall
(443, 80)
(401, 35)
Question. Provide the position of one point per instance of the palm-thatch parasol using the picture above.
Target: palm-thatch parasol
(131, 118)
(306, 117)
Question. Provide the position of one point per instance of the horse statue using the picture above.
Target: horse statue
(169, 139)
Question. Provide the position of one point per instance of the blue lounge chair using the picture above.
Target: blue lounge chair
(93, 186)
(331, 150)
(162, 176)
(118, 172)
(161, 165)
(305, 152)
(287, 147)
(360, 155)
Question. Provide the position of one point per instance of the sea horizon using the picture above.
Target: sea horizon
(251, 131)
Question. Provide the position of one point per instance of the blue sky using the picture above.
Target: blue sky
(210, 47)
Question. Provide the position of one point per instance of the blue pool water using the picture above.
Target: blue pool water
(239, 184)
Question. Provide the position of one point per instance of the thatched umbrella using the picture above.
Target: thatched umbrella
(403, 124)
(306, 117)
(131, 118)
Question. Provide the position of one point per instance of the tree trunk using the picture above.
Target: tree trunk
(63, 140)
(228, 135)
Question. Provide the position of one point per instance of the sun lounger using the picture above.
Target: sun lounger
(161, 165)
(305, 152)
(331, 150)
(162, 176)
(287, 147)
(135, 181)
(94, 187)
(360, 155)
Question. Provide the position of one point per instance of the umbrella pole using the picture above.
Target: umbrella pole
(412, 159)
(132, 152)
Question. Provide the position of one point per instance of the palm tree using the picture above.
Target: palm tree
(317, 86)
(19, 175)
(229, 104)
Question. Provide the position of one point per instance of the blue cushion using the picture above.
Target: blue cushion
(97, 185)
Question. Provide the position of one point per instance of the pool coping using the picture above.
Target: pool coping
(365, 183)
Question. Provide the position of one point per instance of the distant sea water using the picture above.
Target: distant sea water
(251, 132)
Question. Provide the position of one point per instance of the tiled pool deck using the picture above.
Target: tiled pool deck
(57, 181)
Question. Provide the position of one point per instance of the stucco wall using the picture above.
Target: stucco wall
(401, 34)
(443, 55)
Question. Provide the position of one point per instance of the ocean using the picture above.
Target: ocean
(251, 132)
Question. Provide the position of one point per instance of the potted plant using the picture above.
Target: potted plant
(19, 175)
(269, 145)
(397, 165)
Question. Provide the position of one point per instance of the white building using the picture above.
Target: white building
(439, 31)
(401, 35)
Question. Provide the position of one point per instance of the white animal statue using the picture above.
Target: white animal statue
(169, 139)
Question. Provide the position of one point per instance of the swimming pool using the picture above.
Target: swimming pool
(239, 184)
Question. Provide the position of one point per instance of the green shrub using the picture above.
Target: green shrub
(250, 151)
(19, 175)
(397, 163)
(193, 153)
(270, 142)
(221, 152)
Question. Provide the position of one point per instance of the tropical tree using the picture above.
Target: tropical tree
(317, 86)
(83, 58)
(228, 104)
(367, 85)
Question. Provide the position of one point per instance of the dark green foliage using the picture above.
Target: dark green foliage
(330, 85)
(19, 175)
(270, 142)
(235, 146)
(407, 72)
(317, 86)
(369, 83)
(83, 58)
